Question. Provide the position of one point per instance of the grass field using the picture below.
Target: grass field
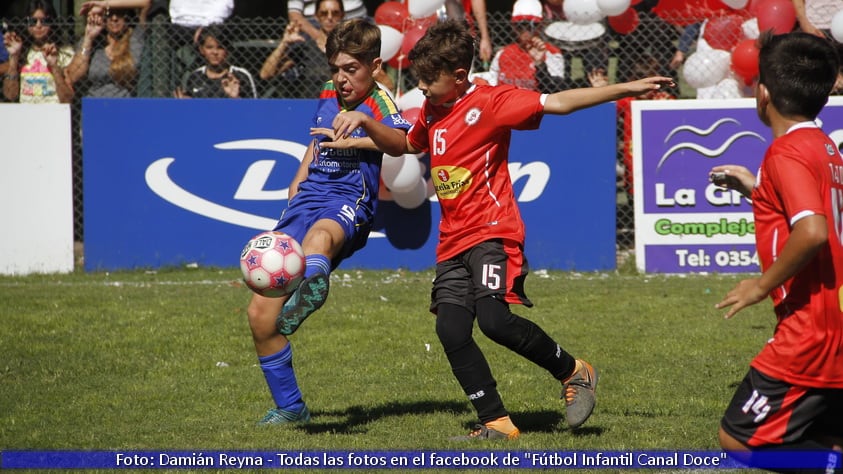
(164, 360)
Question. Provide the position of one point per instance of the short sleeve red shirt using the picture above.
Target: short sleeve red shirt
(802, 175)
(469, 147)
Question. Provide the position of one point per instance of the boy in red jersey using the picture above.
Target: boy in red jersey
(480, 266)
(792, 396)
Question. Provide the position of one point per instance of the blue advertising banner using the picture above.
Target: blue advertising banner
(684, 223)
(170, 182)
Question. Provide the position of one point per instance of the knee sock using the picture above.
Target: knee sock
(281, 379)
(453, 326)
(523, 337)
(316, 263)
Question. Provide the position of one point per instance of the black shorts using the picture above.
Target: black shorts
(766, 411)
(494, 267)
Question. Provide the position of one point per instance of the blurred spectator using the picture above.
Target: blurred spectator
(530, 62)
(587, 43)
(4, 58)
(36, 66)
(814, 16)
(298, 66)
(654, 37)
(107, 65)
(474, 12)
(686, 42)
(188, 18)
(217, 78)
(304, 13)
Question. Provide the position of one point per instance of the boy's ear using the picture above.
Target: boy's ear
(461, 75)
(377, 65)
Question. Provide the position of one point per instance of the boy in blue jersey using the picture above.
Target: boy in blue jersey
(331, 206)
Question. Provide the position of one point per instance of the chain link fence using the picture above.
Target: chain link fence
(168, 54)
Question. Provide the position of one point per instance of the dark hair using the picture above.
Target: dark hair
(217, 32)
(799, 71)
(445, 47)
(358, 38)
(50, 13)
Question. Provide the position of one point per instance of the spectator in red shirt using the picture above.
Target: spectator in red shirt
(530, 62)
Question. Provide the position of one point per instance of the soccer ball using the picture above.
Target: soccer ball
(272, 264)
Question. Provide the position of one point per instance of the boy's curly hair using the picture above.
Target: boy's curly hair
(445, 47)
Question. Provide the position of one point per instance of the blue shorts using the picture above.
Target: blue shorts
(304, 211)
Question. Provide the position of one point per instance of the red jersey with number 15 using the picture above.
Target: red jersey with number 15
(802, 175)
(469, 147)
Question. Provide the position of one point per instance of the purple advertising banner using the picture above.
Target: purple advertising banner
(683, 223)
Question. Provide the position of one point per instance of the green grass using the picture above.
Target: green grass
(164, 360)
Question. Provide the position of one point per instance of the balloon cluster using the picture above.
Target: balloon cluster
(404, 175)
(727, 43)
(402, 24)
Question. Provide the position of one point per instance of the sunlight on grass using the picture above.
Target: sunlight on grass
(153, 360)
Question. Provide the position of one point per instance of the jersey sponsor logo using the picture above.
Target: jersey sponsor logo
(449, 181)
(399, 120)
(472, 116)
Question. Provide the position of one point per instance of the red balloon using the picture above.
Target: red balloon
(776, 15)
(626, 22)
(392, 14)
(411, 115)
(411, 37)
(745, 60)
(723, 32)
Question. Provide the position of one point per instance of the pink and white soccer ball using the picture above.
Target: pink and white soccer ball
(272, 264)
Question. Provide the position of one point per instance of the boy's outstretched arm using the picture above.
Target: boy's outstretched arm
(389, 140)
(571, 100)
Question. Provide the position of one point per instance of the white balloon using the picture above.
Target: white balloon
(423, 8)
(390, 166)
(728, 88)
(411, 99)
(400, 174)
(390, 41)
(837, 26)
(706, 68)
(736, 4)
(613, 7)
(582, 12)
(750, 28)
(413, 197)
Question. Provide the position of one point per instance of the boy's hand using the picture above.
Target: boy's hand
(364, 143)
(649, 84)
(735, 177)
(746, 293)
(345, 123)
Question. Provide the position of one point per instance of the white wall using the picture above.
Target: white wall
(36, 191)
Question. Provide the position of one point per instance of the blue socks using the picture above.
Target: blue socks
(317, 264)
(278, 371)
